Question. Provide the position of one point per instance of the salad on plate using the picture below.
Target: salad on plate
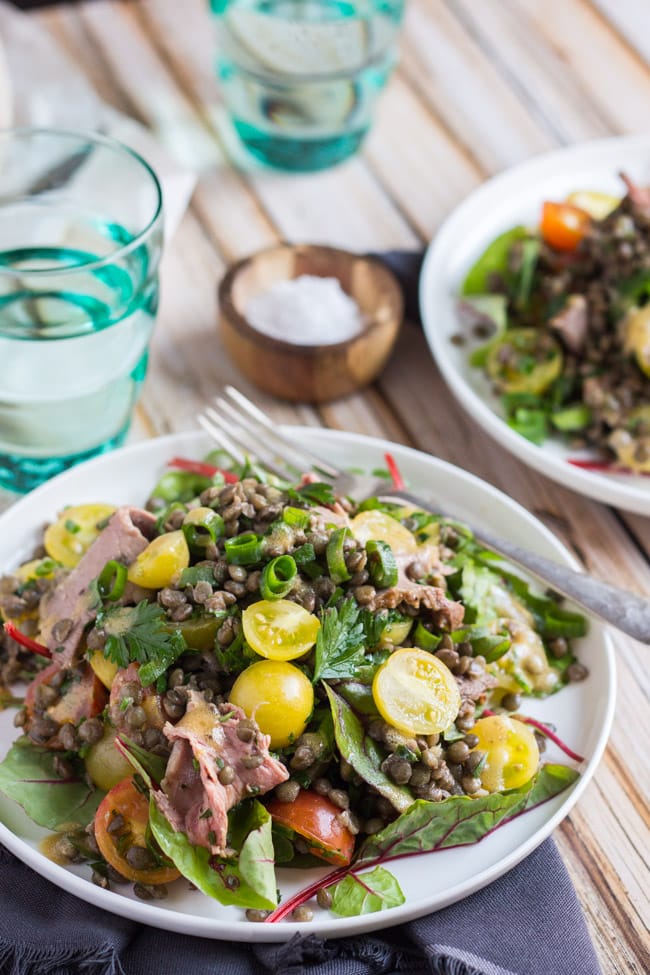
(247, 674)
(562, 313)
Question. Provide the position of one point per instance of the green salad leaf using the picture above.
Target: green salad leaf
(362, 753)
(28, 776)
(493, 260)
(367, 893)
(246, 881)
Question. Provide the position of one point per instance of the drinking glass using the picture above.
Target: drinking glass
(300, 78)
(80, 243)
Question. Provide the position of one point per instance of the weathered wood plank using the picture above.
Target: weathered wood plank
(631, 19)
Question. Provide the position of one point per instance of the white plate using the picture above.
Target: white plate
(582, 712)
(511, 198)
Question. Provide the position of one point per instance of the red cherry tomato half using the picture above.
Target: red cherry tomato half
(563, 226)
(316, 819)
(125, 800)
(85, 698)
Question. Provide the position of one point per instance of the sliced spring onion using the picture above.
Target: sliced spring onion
(278, 577)
(245, 549)
(382, 566)
(202, 526)
(335, 555)
(425, 639)
(112, 580)
(297, 517)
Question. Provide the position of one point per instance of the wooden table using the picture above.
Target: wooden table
(480, 86)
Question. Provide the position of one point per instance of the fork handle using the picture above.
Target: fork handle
(625, 610)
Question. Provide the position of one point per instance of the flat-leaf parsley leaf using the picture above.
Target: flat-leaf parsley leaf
(141, 634)
(341, 642)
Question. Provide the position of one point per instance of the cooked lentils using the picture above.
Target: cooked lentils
(593, 281)
(433, 767)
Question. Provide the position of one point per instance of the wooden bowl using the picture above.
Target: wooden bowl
(311, 373)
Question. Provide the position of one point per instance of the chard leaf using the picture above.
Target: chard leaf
(27, 776)
(366, 894)
(246, 881)
(340, 643)
(362, 753)
(459, 821)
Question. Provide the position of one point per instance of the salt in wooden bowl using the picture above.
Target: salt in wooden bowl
(310, 373)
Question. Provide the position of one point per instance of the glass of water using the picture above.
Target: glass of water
(300, 78)
(80, 243)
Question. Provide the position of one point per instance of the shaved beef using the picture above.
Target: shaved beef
(445, 612)
(639, 195)
(192, 798)
(125, 536)
(473, 688)
(571, 323)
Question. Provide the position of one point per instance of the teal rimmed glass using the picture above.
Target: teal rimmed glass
(80, 243)
(300, 78)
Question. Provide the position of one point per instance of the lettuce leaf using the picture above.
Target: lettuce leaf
(246, 881)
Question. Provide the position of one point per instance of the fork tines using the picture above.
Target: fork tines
(245, 432)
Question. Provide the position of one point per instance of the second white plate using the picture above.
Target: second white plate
(512, 198)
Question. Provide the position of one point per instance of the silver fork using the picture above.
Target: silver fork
(246, 433)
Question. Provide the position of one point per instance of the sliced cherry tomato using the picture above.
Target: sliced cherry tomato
(104, 764)
(415, 692)
(71, 535)
(279, 629)
(597, 205)
(278, 696)
(104, 668)
(162, 561)
(563, 226)
(511, 750)
(125, 800)
(84, 698)
(378, 526)
(316, 819)
(524, 360)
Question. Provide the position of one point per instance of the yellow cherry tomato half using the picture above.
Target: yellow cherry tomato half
(378, 526)
(161, 562)
(278, 696)
(510, 747)
(279, 629)
(597, 205)
(104, 764)
(69, 537)
(104, 669)
(416, 693)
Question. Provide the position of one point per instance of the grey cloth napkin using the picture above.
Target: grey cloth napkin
(528, 922)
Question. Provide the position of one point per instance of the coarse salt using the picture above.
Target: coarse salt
(307, 310)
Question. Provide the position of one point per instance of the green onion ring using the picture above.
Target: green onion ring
(112, 580)
(278, 577)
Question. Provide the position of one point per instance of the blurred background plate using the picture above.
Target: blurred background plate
(511, 198)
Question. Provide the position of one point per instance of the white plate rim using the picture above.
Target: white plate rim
(148, 913)
(437, 299)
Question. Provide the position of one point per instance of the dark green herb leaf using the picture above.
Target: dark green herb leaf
(367, 893)
(459, 820)
(139, 634)
(340, 643)
(246, 881)
(362, 753)
(151, 767)
(27, 776)
(316, 493)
